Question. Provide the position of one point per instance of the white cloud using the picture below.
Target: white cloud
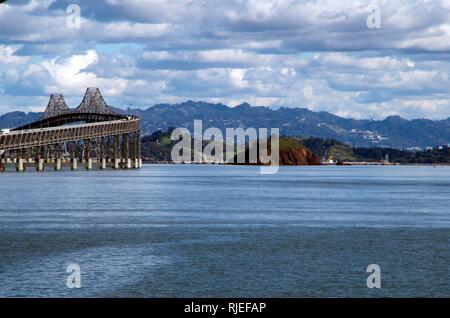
(369, 63)
(70, 76)
(237, 77)
(7, 56)
(312, 53)
(127, 30)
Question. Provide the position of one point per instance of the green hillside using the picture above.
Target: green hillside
(158, 146)
(340, 153)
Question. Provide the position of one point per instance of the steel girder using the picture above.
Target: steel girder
(48, 136)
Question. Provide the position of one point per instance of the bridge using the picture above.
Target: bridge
(92, 134)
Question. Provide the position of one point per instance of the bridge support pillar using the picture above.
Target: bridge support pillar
(137, 149)
(58, 164)
(20, 165)
(102, 153)
(127, 163)
(89, 164)
(74, 165)
(40, 164)
(126, 151)
(103, 163)
(116, 163)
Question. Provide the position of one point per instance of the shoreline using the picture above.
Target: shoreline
(323, 164)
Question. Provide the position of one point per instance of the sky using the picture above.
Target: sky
(357, 58)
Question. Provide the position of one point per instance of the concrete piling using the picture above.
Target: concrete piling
(89, 164)
(40, 164)
(116, 163)
(115, 152)
(127, 164)
(74, 164)
(103, 164)
(20, 165)
(58, 164)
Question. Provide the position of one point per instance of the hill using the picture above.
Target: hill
(329, 149)
(392, 132)
(158, 146)
(306, 151)
(291, 151)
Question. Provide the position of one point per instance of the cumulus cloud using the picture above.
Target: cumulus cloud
(8, 57)
(311, 53)
(70, 76)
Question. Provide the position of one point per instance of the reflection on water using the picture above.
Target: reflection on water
(181, 231)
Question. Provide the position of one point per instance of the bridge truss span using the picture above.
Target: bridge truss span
(49, 136)
(91, 134)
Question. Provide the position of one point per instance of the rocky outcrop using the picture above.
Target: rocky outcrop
(292, 153)
(298, 156)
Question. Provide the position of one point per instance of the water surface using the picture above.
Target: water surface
(219, 231)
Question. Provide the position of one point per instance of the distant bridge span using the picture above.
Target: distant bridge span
(90, 133)
(49, 136)
(93, 108)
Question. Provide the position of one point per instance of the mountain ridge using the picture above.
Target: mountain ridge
(393, 131)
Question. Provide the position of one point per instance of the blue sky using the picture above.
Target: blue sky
(317, 54)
